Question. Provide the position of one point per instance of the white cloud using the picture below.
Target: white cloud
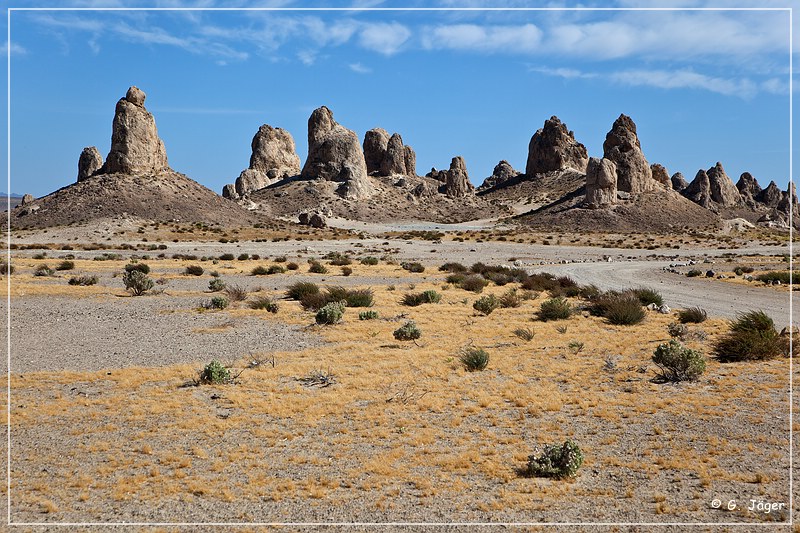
(307, 57)
(385, 38)
(686, 79)
(15, 49)
(561, 72)
(359, 68)
(524, 38)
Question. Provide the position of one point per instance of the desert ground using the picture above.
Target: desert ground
(343, 423)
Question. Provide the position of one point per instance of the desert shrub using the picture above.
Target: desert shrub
(648, 296)
(346, 271)
(473, 283)
(83, 280)
(474, 358)
(575, 346)
(43, 270)
(499, 278)
(265, 303)
(555, 309)
(317, 268)
(331, 313)
(292, 266)
(243, 257)
(369, 261)
(556, 461)
(275, 269)
(140, 267)
(297, 290)
(589, 292)
(452, 267)
(6, 268)
(226, 257)
(782, 276)
(693, 273)
(678, 331)
(314, 301)
(455, 279)
(624, 310)
(279, 259)
(65, 265)
(525, 334)
(259, 271)
(360, 298)
(677, 362)
(426, 297)
(137, 282)
(42, 255)
(693, 315)
(215, 372)
(486, 304)
(193, 270)
(747, 269)
(539, 282)
(368, 315)
(216, 285)
(509, 299)
(407, 332)
(413, 267)
(752, 336)
(236, 293)
(738, 271)
(217, 302)
(341, 260)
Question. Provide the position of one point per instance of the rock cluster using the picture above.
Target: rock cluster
(456, 180)
(89, 162)
(503, 172)
(553, 147)
(771, 196)
(601, 183)
(135, 145)
(699, 190)
(334, 154)
(273, 158)
(748, 188)
(387, 156)
(622, 146)
(713, 189)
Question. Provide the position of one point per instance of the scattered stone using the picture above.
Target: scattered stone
(317, 221)
(601, 183)
(89, 162)
(457, 182)
(553, 147)
(623, 148)
(424, 190)
(679, 183)
(710, 273)
(664, 309)
(661, 175)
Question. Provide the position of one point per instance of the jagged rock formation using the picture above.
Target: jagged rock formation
(623, 148)
(722, 189)
(503, 171)
(394, 161)
(376, 141)
(410, 157)
(456, 180)
(229, 192)
(89, 162)
(661, 175)
(135, 145)
(788, 206)
(601, 183)
(749, 189)
(699, 190)
(27, 199)
(679, 183)
(334, 154)
(771, 196)
(273, 158)
(438, 175)
(387, 156)
(553, 147)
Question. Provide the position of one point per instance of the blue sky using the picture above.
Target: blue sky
(702, 86)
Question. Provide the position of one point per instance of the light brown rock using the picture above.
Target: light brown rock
(623, 148)
(410, 157)
(394, 161)
(457, 182)
(503, 171)
(135, 145)
(661, 175)
(553, 147)
(375, 142)
(723, 191)
(89, 162)
(274, 152)
(601, 183)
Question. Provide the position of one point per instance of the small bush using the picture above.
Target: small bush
(555, 309)
(648, 296)
(279, 259)
(265, 303)
(678, 331)
(525, 334)
(556, 461)
(693, 315)
(139, 267)
(292, 266)
(217, 302)
(369, 261)
(6, 268)
(317, 268)
(474, 359)
(780, 276)
(510, 299)
(452, 267)
(43, 270)
(331, 313)
(677, 362)
(486, 304)
(624, 310)
(539, 282)
(215, 373)
(426, 297)
(236, 293)
(368, 315)
(338, 259)
(314, 301)
(346, 271)
(474, 283)
(413, 267)
(65, 265)
(226, 257)
(243, 257)
(137, 282)
(296, 291)
(359, 298)
(407, 332)
(693, 273)
(455, 279)
(193, 270)
(752, 336)
(275, 269)
(83, 280)
(216, 285)
(259, 271)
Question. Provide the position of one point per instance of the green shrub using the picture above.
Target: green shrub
(677, 362)
(236, 293)
(139, 267)
(193, 270)
(693, 273)
(215, 373)
(556, 461)
(217, 302)
(265, 303)
(426, 297)
(359, 298)
(65, 265)
(243, 257)
(368, 315)
(137, 282)
(486, 304)
(275, 269)
(317, 268)
(259, 271)
(331, 313)
(226, 257)
(43, 270)
(782, 276)
(369, 261)
(473, 283)
(752, 336)
(297, 290)
(539, 282)
(525, 334)
(338, 259)
(452, 267)
(624, 310)
(6, 268)
(555, 309)
(346, 271)
(693, 315)
(216, 285)
(407, 332)
(83, 280)
(510, 299)
(456, 278)
(413, 267)
(473, 358)
(648, 296)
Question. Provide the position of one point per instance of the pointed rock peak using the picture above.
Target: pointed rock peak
(553, 147)
(456, 180)
(723, 191)
(699, 190)
(622, 146)
(601, 183)
(679, 182)
(319, 123)
(89, 162)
